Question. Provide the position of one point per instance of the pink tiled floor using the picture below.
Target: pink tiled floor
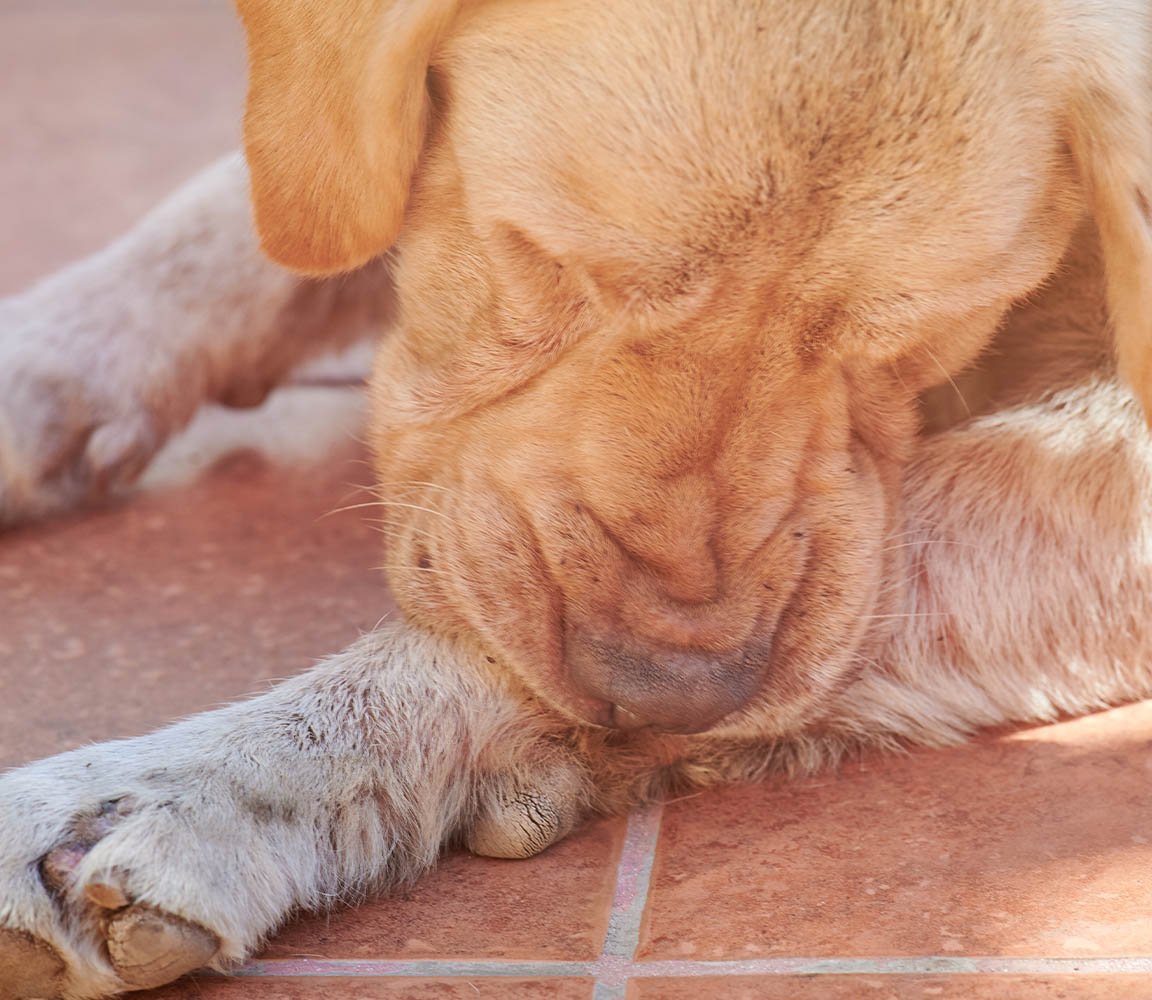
(1013, 869)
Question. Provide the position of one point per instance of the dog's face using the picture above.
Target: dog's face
(672, 276)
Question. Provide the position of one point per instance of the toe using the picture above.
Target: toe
(59, 866)
(519, 827)
(150, 948)
(522, 815)
(118, 452)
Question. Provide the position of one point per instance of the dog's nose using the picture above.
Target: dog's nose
(672, 690)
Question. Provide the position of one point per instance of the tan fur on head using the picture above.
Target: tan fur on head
(336, 115)
(672, 277)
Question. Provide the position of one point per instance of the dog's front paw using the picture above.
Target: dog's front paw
(82, 407)
(123, 867)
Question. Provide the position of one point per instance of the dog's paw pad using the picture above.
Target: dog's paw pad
(149, 948)
(29, 968)
(521, 816)
(519, 827)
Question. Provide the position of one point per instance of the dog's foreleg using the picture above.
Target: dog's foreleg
(124, 865)
(102, 362)
(1029, 572)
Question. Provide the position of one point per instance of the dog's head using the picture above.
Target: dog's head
(672, 274)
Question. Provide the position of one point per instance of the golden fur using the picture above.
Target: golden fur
(668, 303)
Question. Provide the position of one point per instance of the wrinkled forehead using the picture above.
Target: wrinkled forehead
(663, 128)
(599, 110)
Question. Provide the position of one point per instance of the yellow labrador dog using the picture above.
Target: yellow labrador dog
(671, 502)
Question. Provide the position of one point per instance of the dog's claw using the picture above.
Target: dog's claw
(29, 968)
(106, 895)
(150, 948)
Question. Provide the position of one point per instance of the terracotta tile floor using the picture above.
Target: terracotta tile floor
(1014, 869)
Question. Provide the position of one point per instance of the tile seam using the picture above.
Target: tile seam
(633, 880)
(336, 968)
(895, 965)
(789, 966)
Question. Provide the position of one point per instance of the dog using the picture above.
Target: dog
(678, 489)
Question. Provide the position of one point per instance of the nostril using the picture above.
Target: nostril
(673, 690)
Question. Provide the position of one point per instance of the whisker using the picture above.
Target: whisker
(926, 529)
(388, 503)
(951, 381)
(417, 482)
(387, 529)
(348, 507)
(353, 489)
(409, 567)
(382, 619)
(932, 541)
(908, 614)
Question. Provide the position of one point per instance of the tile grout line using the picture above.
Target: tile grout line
(893, 966)
(616, 968)
(633, 879)
(617, 963)
(435, 968)
(622, 937)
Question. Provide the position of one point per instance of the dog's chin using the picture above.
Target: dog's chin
(549, 680)
(605, 715)
(782, 684)
(768, 714)
(602, 647)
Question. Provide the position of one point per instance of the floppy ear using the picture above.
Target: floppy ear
(335, 122)
(1112, 141)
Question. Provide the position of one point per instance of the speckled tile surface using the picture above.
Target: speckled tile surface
(1035, 844)
(554, 906)
(114, 622)
(106, 107)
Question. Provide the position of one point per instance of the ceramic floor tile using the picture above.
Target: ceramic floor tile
(551, 907)
(105, 108)
(114, 622)
(400, 988)
(1034, 844)
(957, 987)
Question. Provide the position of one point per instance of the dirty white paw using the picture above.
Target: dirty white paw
(83, 404)
(126, 865)
(120, 873)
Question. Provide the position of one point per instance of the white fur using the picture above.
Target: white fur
(345, 780)
(101, 363)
